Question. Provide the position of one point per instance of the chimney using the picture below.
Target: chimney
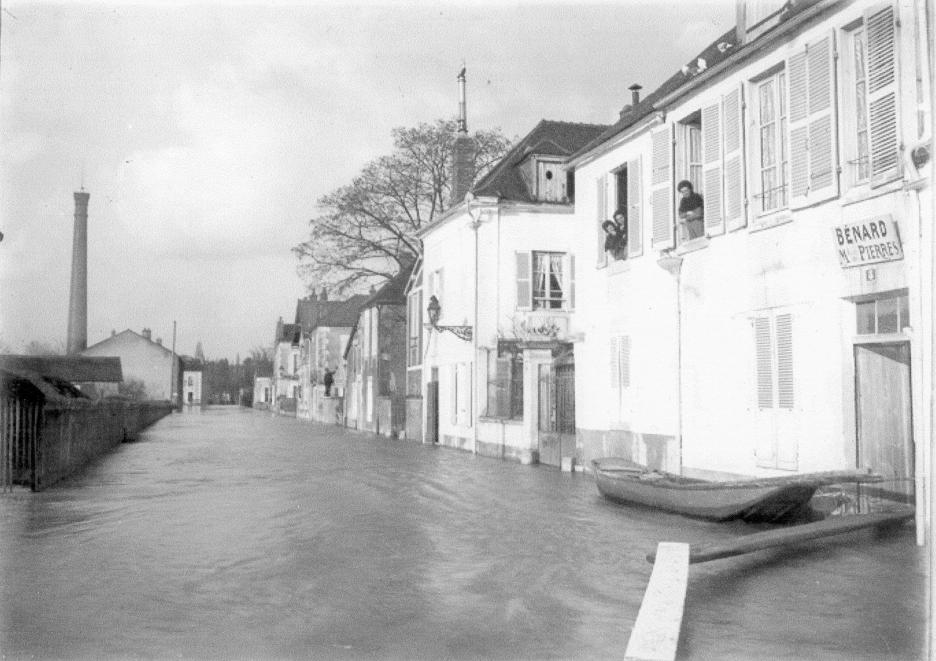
(159, 341)
(77, 338)
(464, 151)
(113, 332)
(147, 334)
(635, 94)
(324, 295)
(626, 109)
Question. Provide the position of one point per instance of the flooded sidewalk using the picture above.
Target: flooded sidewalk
(231, 533)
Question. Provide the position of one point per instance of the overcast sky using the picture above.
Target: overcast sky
(205, 134)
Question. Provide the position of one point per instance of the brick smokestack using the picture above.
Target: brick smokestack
(78, 297)
(464, 152)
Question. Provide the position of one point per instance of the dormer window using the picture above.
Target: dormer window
(550, 182)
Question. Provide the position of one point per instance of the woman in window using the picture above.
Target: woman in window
(690, 211)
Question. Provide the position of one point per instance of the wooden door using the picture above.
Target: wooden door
(549, 439)
(884, 421)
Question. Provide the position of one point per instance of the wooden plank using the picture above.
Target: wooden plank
(656, 631)
(790, 535)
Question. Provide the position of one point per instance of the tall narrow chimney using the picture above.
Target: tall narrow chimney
(77, 339)
(635, 94)
(464, 151)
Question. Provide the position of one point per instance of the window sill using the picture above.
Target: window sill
(619, 266)
(862, 192)
(771, 220)
(503, 421)
(692, 245)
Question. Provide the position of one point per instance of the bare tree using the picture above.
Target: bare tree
(366, 231)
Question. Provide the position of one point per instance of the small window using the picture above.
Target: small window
(882, 315)
(772, 158)
(548, 282)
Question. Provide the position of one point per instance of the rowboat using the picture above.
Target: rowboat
(767, 500)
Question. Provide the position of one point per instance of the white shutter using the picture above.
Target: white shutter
(823, 168)
(524, 281)
(453, 393)
(601, 206)
(733, 135)
(634, 206)
(571, 281)
(712, 170)
(798, 105)
(811, 89)
(763, 363)
(624, 355)
(882, 94)
(784, 335)
(613, 365)
(661, 187)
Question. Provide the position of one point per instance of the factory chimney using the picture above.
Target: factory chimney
(77, 339)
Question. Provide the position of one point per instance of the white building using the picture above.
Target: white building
(499, 278)
(193, 392)
(287, 386)
(793, 336)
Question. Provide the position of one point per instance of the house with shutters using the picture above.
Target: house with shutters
(286, 382)
(792, 335)
(489, 306)
(375, 366)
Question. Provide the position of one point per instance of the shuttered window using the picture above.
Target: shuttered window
(813, 167)
(882, 94)
(661, 187)
(620, 371)
(712, 169)
(634, 214)
(773, 357)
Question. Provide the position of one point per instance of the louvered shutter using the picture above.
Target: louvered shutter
(613, 365)
(823, 168)
(661, 187)
(634, 207)
(624, 355)
(571, 281)
(601, 206)
(712, 169)
(733, 136)
(798, 106)
(882, 94)
(524, 281)
(785, 361)
(453, 393)
(764, 363)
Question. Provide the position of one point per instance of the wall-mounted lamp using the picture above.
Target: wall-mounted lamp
(434, 310)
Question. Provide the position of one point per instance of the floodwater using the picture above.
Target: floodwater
(233, 534)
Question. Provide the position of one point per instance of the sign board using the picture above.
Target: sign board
(868, 242)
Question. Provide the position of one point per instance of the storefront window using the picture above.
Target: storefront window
(883, 315)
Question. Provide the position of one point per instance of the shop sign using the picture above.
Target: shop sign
(868, 242)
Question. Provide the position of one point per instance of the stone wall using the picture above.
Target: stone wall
(74, 432)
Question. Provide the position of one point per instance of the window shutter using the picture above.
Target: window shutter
(634, 206)
(733, 134)
(764, 362)
(624, 360)
(823, 172)
(799, 128)
(712, 170)
(601, 205)
(785, 361)
(882, 94)
(661, 187)
(453, 392)
(524, 281)
(614, 364)
(571, 281)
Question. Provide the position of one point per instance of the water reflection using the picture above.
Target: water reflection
(233, 534)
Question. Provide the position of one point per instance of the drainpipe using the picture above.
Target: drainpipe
(673, 264)
(475, 225)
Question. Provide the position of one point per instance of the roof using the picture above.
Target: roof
(74, 369)
(312, 313)
(548, 138)
(393, 292)
(12, 380)
(288, 333)
(134, 334)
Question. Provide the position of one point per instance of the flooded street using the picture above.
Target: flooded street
(233, 534)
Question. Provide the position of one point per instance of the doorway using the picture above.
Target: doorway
(884, 419)
(556, 410)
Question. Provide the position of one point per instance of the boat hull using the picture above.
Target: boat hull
(772, 500)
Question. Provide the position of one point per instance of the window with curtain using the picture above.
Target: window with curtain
(548, 282)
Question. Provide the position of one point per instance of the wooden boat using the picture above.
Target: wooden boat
(768, 500)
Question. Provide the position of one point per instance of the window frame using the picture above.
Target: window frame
(562, 278)
(781, 144)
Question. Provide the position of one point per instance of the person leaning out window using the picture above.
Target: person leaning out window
(691, 213)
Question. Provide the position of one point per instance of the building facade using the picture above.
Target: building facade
(142, 359)
(786, 336)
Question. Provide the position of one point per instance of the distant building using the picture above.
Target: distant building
(263, 392)
(287, 388)
(193, 387)
(376, 362)
(157, 368)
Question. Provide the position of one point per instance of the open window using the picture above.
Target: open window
(545, 280)
(505, 381)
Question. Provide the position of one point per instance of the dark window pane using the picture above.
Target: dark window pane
(904, 311)
(865, 318)
(887, 318)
